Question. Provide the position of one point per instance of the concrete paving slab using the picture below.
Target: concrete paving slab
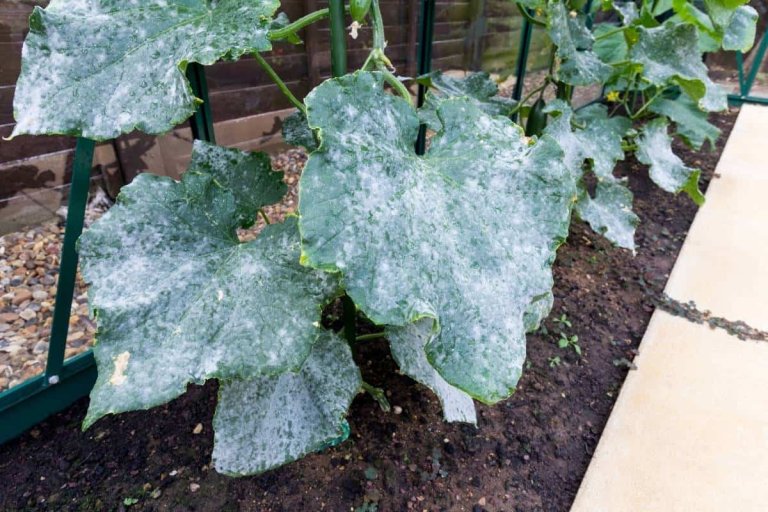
(689, 431)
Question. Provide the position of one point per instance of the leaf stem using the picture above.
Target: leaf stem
(371, 336)
(378, 26)
(378, 395)
(527, 15)
(647, 104)
(609, 33)
(280, 84)
(396, 84)
(530, 95)
(292, 28)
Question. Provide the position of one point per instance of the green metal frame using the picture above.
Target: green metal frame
(63, 382)
(746, 83)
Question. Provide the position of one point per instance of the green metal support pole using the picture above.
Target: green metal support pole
(522, 61)
(202, 122)
(746, 83)
(78, 199)
(62, 383)
(338, 38)
(424, 61)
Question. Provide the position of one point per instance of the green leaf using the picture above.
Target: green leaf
(597, 138)
(269, 421)
(628, 11)
(610, 45)
(477, 87)
(610, 213)
(407, 345)
(179, 299)
(669, 55)
(465, 235)
(248, 176)
(739, 33)
(99, 68)
(296, 131)
(580, 65)
(654, 148)
(690, 120)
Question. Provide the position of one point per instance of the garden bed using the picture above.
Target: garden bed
(527, 454)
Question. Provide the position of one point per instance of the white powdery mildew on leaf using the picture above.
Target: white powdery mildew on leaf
(478, 88)
(740, 31)
(670, 54)
(172, 285)
(597, 139)
(407, 345)
(266, 422)
(99, 68)
(580, 65)
(610, 213)
(690, 121)
(654, 148)
(466, 234)
(248, 176)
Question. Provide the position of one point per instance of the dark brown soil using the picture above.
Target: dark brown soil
(527, 454)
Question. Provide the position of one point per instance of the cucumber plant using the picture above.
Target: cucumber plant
(450, 251)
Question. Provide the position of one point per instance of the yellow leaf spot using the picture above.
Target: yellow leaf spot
(118, 377)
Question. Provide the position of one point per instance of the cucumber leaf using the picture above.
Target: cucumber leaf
(296, 131)
(670, 55)
(407, 345)
(248, 176)
(590, 136)
(609, 212)
(690, 121)
(269, 421)
(654, 148)
(465, 235)
(477, 87)
(180, 300)
(99, 68)
(580, 65)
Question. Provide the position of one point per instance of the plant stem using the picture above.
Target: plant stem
(378, 26)
(299, 24)
(647, 104)
(527, 15)
(395, 83)
(609, 33)
(530, 95)
(371, 336)
(264, 216)
(378, 395)
(280, 84)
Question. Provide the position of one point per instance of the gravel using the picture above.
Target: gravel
(29, 262)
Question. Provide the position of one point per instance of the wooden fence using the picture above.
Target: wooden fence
(247, 107)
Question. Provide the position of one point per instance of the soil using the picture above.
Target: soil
(527, 454)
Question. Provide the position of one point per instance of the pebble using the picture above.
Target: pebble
(29, 264)
(28, 314)
(21, 295)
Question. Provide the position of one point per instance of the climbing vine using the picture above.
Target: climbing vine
(450, 251)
